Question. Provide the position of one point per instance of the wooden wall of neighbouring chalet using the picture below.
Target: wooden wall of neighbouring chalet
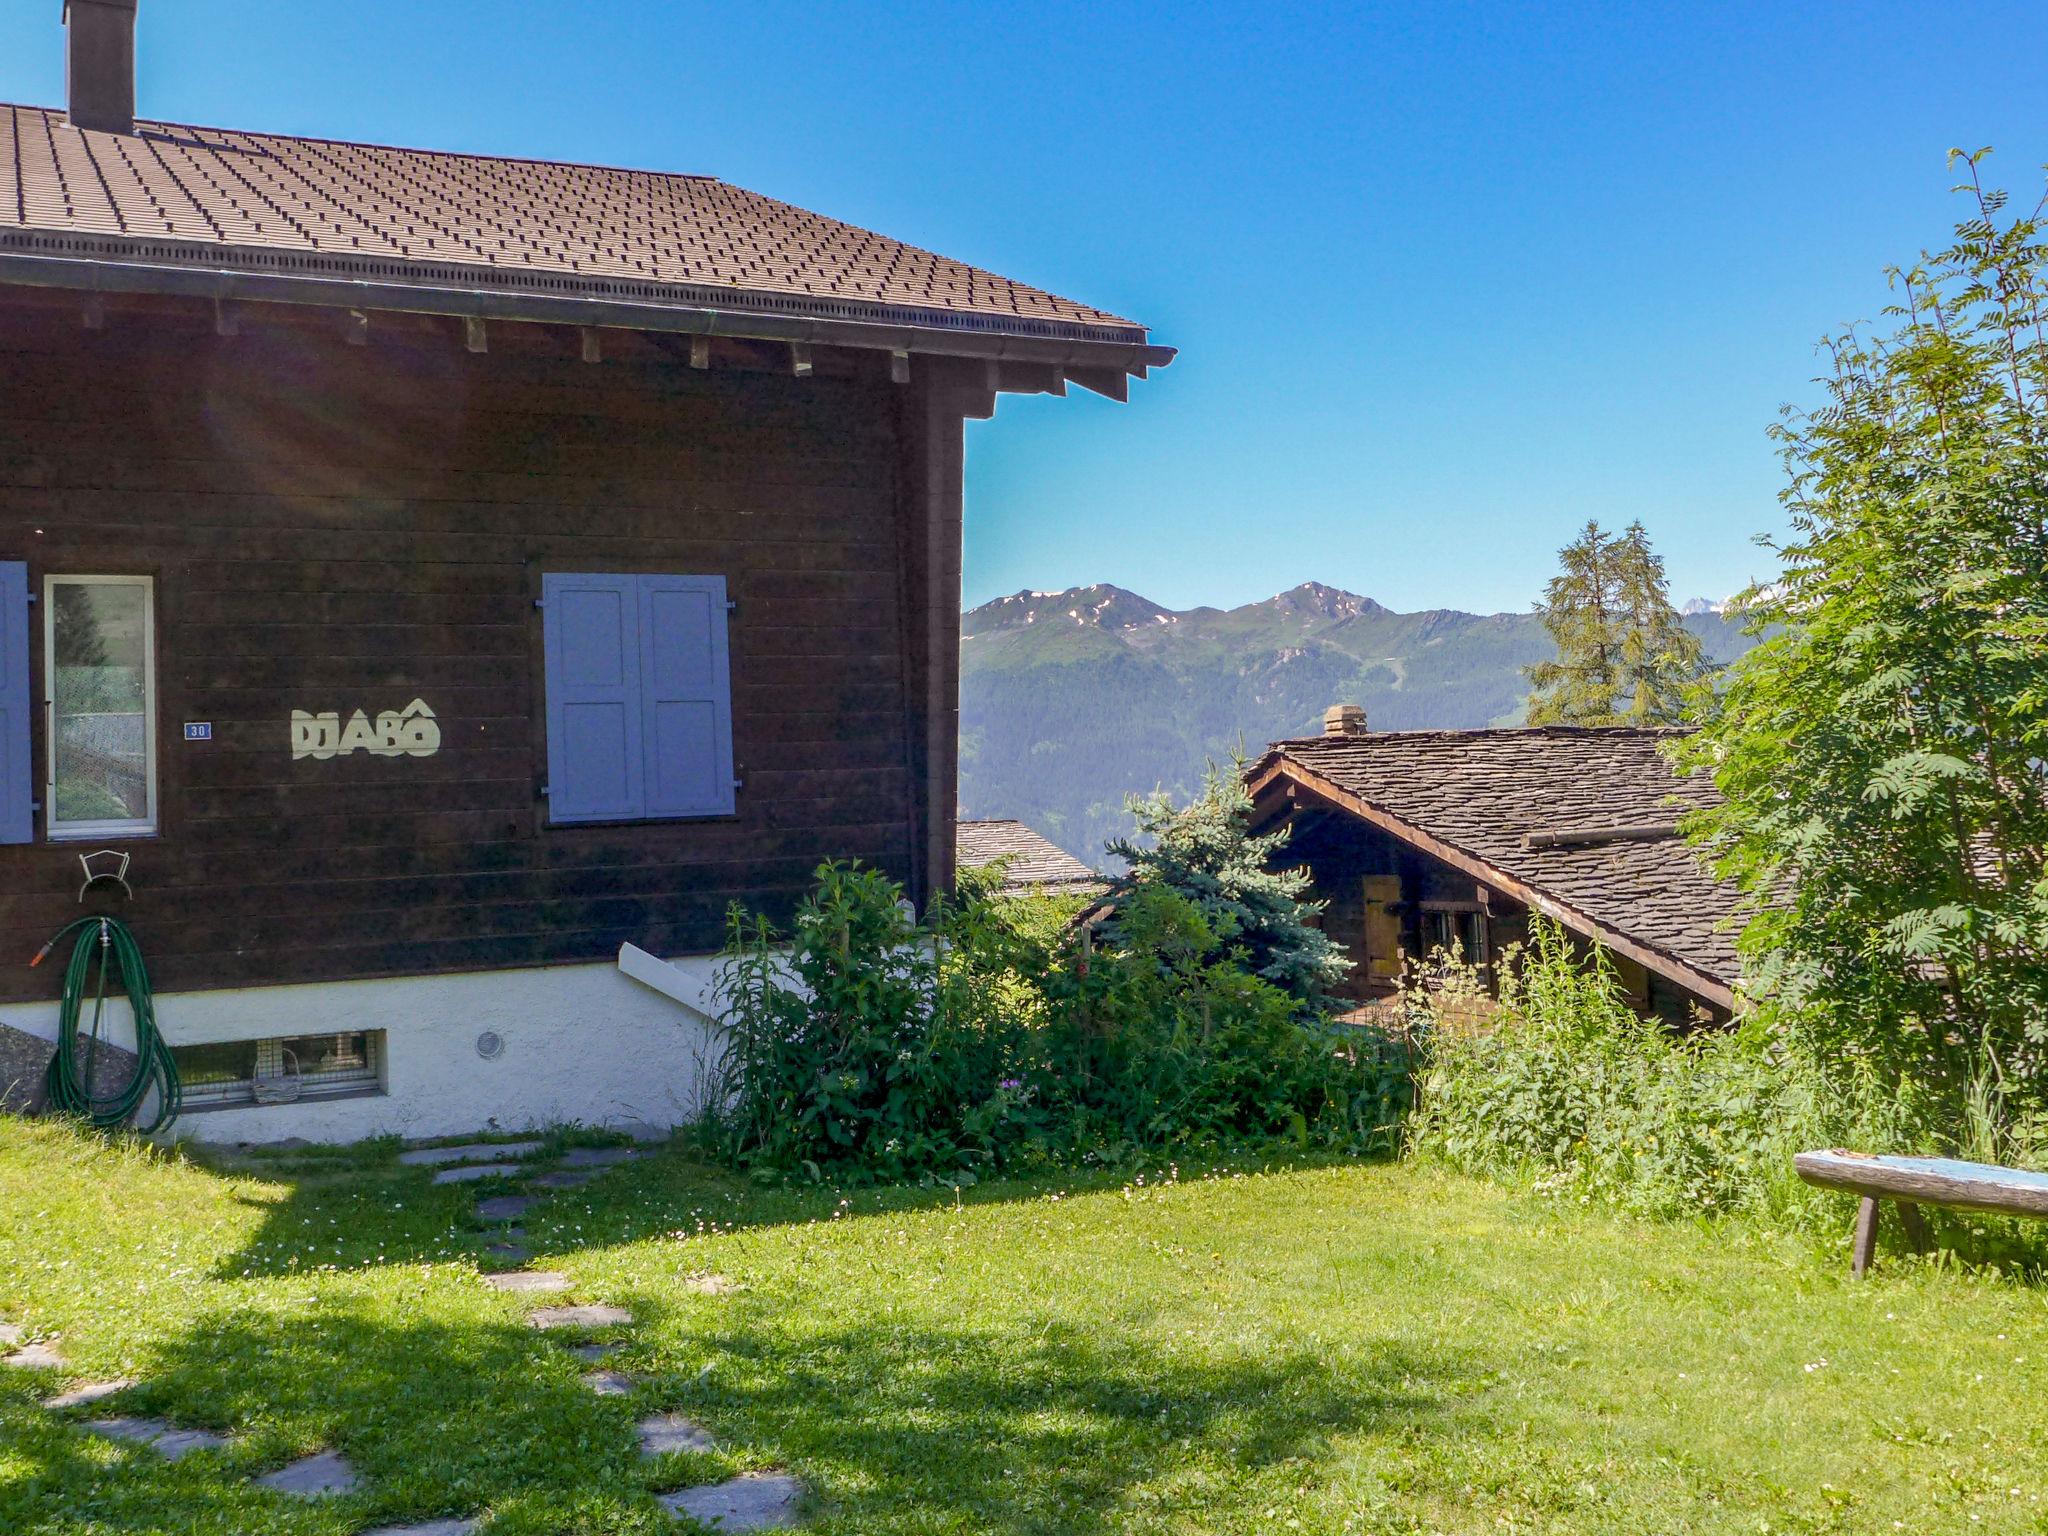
(335, 527)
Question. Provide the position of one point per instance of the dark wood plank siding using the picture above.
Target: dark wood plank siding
(334, 527)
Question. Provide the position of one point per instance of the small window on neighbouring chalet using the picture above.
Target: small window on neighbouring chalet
(280, 1070)
(639, 697)
(99, 662)
(1461, 928)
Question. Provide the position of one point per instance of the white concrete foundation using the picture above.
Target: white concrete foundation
(582, 1043)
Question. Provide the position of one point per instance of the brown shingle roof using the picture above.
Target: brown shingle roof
(1484, 792)
(270, 203)
(1035, 864)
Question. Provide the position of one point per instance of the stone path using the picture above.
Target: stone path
(505, 1207)
(754, 1501)
(469, 1173)
(666, 1432)
(757, 1501)
(87, 1392)
(590, 1316)
(42, 1356)
(472, 1152)
(167, 1440)
(314, 1477)
(528, 1280)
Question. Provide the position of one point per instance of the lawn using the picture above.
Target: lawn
(1317, 1349)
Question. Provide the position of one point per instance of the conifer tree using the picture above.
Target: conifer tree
(1624, 655)
(1206, 852)
(1660, 658)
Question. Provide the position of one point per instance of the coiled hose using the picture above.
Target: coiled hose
(71, 1082)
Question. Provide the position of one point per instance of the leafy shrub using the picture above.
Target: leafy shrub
(1562, 1084)
(871, 1046)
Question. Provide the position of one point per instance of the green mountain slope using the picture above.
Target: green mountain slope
(1069, 701)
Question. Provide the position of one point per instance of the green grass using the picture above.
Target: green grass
(1318, 1349)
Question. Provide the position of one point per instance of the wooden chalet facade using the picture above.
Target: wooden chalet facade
(1422, 840)
(427, 565)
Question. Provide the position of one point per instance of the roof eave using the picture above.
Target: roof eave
(100, 264)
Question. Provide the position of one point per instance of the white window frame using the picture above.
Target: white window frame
(143, 826)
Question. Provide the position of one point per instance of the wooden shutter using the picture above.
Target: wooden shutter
(686, 684)
(17, 793)
(596, 758)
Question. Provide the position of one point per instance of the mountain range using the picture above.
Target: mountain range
(1070, 701)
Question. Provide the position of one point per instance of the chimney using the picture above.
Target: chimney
(99, 64)
(1344, 720)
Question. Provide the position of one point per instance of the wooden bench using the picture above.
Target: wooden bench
(1911, 1182)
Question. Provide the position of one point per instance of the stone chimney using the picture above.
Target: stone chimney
(99, 64)
(1344, 720)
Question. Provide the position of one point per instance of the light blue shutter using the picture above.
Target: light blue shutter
(596, 760)
(17, 794)
(686, 683)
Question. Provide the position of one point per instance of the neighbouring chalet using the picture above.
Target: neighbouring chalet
(1422, 839)
(1031, 865)
(439, 571)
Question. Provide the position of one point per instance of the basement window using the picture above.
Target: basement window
(282, 1070)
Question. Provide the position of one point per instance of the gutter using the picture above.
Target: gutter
(106, 266)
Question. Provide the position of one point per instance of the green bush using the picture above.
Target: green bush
(1561, 1084)
(995, 1037)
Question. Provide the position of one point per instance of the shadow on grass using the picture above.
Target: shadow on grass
(993, 1428)
(353, 1210)
(920, 1428)
(444, 1415)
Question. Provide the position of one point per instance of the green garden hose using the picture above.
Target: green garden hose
(71, 1082)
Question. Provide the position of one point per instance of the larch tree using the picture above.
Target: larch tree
(1624, 655)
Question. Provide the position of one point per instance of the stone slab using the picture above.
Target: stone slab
(167, 1440)
(591, 1354)
(609, 1383)
(431, 1528)
(598, 1157)
(470, 1172)
(534, 1280)
(505, 1207)
(579, 1317)
(564, 1180)
(666, 1432)
(759, 1501)
(708, 1284)
(35, 1357)
(10, 1333)
(87, 1392)
(314, 1477)
(472, 1152)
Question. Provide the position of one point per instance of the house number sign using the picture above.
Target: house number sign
(408, 732)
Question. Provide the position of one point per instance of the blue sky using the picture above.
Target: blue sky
(1447, 279)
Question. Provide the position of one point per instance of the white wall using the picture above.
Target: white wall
(583, 1043)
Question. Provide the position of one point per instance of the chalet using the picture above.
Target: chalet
(434, 572)
(1422, 840)
(1031, 866)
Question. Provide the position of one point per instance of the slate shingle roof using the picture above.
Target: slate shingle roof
(1483, 792)
(1035, 864)
(271, 203)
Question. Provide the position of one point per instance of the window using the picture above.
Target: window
(99, 653)
(281, 1070)
(1460, 928)
(639, 697)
